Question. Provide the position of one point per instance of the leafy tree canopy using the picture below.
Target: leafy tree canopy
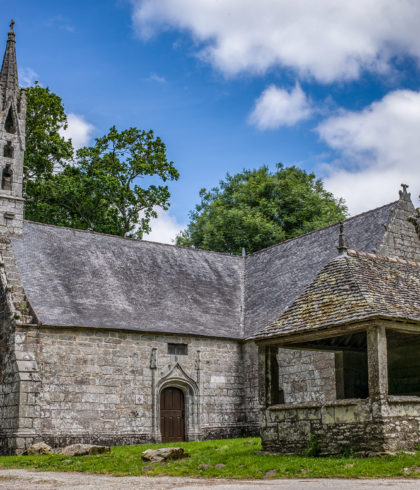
(100, 190)
(45, 147)
(258, 208)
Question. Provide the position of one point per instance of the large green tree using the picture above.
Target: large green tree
(258, 208)
(98, 188)
(45, 147)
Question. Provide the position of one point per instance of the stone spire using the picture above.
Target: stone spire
(12, 141)
(9, 74)
(342, 242)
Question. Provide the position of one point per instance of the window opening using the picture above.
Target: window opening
(7, 176)
(178, 349)
(8, 150)
(10, 125)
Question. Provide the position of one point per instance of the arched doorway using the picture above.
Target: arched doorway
(172, 423)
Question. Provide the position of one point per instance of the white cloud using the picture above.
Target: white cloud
(379, 149)
(27, 76)
(154, 77)
(277, 107)
(79, 130)
(326, 39)
(164, 228)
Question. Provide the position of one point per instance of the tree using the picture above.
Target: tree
(258, 208)
(100, 190)
(45, 147)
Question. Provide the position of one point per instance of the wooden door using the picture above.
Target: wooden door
(172, 425)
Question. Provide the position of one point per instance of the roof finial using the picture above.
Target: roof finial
(342, 242)
(8, 73)
(404, 195)
(12, 32)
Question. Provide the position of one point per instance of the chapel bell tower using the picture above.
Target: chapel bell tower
(12, 141)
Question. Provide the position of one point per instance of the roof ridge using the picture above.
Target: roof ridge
(384, 258)
(136, 240)
(204, 250)
(323, 228)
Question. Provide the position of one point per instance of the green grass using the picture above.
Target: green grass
(238, 456)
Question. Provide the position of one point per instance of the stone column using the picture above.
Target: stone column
(268, 375)
(377, 363)
(339, 376)
(262, 382)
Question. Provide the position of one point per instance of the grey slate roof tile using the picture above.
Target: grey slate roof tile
(77, 278)
(350, 288)
(277, 275)
(85, 279)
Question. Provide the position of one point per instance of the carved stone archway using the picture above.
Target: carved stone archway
(178, 378)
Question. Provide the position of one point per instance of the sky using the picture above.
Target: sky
(331, 87)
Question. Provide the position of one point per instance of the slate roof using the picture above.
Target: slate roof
(86, 279)
(352, 288)
(277, 275)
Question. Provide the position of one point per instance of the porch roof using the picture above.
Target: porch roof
(351, 288)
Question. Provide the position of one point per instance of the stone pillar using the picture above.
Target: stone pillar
(262, 382)
(339, 376)
(377, 363)
(268, 376)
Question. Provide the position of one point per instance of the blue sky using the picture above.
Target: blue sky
(329, 86)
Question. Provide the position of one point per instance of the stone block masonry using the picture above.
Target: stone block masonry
(91, 381)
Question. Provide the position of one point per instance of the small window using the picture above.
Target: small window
(10, 125)
(7, 176)
(178, 349)
(8, 150)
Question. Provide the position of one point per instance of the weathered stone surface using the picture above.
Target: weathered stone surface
(38, 448)
(163, 454)
(83, 450)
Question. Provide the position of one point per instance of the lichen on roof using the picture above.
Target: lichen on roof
(354, 287)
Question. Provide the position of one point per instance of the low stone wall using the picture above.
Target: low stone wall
(338, 426)
(357, 425)
(401, 415)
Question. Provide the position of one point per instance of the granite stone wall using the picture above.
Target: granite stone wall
(306, 376)
(18, 370)
(104, 386)
(401, 238)
(338, 426)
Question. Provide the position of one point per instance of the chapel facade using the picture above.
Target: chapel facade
(115, 341)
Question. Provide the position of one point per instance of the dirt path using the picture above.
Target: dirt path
(28, 480)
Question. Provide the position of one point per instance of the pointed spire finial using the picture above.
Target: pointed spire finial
(12, 32)
(8, 74)
(342, 242)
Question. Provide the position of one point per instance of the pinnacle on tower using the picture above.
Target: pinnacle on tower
(9, 74)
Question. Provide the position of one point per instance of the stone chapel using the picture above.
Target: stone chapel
(115, 341)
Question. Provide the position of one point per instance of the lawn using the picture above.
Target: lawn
(237, 458)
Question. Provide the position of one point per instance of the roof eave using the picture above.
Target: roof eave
(327, 331)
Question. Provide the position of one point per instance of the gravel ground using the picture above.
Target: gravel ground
(28, 480)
